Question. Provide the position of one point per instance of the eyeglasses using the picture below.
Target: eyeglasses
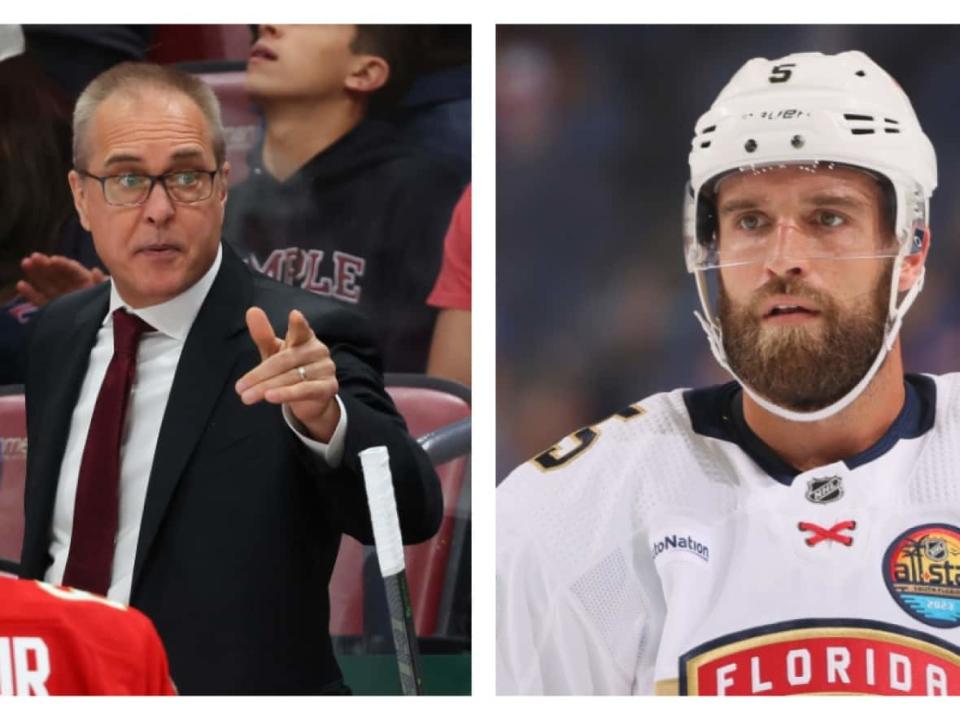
(182, 186)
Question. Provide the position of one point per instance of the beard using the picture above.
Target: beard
(798, 367)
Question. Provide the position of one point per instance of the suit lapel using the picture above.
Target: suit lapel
(216, 339)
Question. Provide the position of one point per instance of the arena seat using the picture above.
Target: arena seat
(8, 568)
(437, 412)
(13, 469)
(428, 405)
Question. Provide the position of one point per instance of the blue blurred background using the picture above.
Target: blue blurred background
(594, 305)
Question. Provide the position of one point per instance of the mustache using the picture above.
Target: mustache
(789, 286)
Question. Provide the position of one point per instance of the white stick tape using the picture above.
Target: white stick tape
(383, 509)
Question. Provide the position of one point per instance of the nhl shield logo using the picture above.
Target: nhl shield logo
(934, 548)
(824, 490)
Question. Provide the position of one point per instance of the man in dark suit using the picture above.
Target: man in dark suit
(235, 462)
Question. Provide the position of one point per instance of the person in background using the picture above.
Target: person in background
(336, 203)
(435, 111)
(450, 347)
(35, 201)
(73, 55)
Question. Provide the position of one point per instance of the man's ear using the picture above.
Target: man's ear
(224, 181)
(79, 197)
(223, 185)
(913, 264)
(368, 73)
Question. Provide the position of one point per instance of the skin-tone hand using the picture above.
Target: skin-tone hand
(277, 380)
(47, 277)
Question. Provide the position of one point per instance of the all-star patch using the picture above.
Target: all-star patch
(922, 571)
(824, 490)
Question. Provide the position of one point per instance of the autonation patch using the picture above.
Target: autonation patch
(681, 542)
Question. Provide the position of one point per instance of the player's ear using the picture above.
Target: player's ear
(913, 264)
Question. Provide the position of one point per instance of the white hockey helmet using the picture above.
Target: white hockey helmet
(810, 108)
(813, 110)
(11, 41)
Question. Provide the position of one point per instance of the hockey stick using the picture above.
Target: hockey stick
(389, 545)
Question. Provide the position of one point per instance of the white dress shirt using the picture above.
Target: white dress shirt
(157, 358)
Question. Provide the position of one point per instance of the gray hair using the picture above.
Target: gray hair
(132, 78)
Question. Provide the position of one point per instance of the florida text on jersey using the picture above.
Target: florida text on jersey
(667, 549)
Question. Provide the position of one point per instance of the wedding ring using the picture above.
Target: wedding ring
(302, 373)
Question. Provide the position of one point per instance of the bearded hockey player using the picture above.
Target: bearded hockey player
(796, 530)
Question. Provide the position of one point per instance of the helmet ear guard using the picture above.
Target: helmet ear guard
(707, 222)
(917, 248)
(827, 111)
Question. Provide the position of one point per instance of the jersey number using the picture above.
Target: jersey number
(552, 458)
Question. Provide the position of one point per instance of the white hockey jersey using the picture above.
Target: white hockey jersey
(667, 549)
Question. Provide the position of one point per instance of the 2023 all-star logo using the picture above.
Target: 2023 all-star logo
(822, 656)
(922, 571)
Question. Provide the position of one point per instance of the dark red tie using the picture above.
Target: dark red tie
(97, 505)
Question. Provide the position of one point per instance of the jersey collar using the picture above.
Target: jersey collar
(717, 412)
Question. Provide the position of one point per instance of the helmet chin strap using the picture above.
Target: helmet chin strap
(895, 316)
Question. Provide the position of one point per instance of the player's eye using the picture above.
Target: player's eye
(750, 221)
(826, 218)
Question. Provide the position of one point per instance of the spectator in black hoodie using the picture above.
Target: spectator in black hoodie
(336, 202)
(36, 210)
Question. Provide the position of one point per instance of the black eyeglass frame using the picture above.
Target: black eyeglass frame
(154, 179)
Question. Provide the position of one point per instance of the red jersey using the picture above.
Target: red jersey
(60, 641)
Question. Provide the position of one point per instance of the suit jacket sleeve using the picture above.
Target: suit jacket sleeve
(372, 420)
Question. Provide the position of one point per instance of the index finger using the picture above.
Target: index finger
(261, 331)
(298, 329)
